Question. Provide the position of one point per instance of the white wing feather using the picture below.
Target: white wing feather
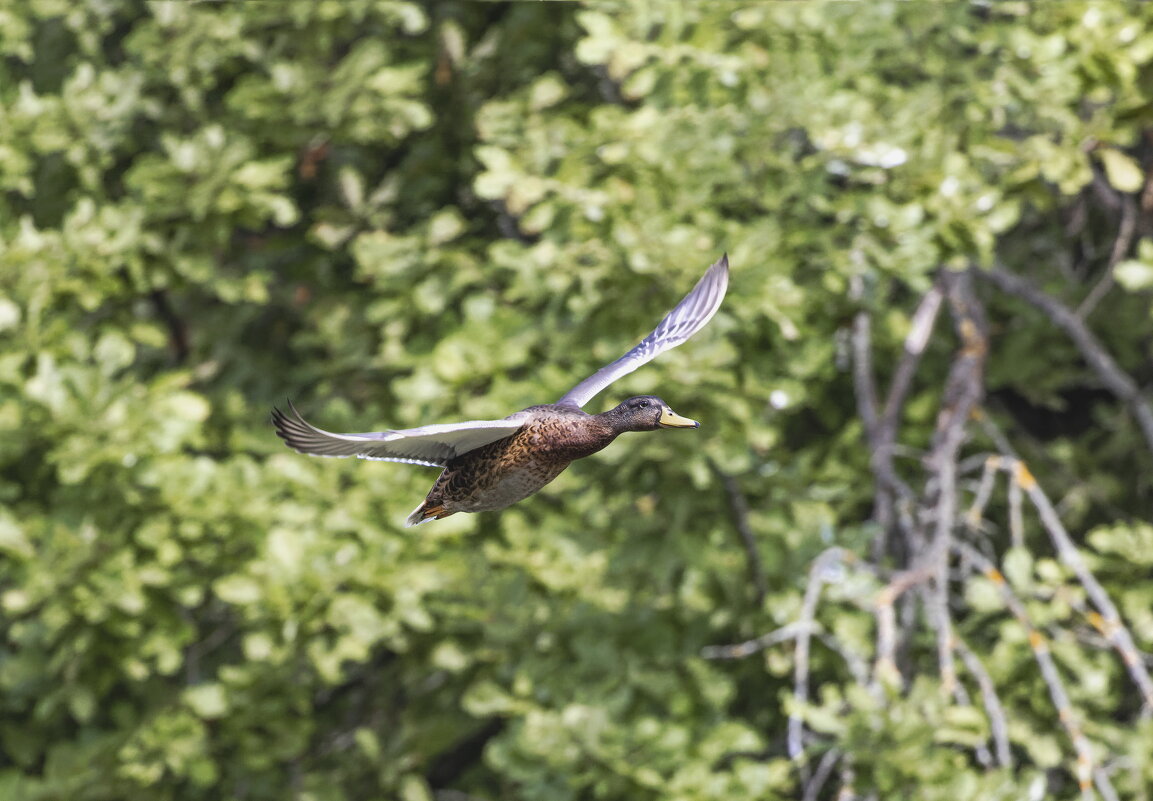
(431, 445)
(689, 317)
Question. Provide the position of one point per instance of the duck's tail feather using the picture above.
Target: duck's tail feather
(424, 513)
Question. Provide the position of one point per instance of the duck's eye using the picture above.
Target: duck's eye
(643, 404)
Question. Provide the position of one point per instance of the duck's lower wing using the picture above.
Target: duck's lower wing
(431, 445)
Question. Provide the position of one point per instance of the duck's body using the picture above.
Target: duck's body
(551, 437)
(509, 470)
(491, 464)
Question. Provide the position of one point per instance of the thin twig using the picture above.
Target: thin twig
(863, 380)
(885, 666)
(739, 508)
(994, 710)
(821, 775)
(981, 498)
(961, 696)
(1121, 246)
(1104, 785)
(920, 328)
(848, 777)
(995, 435)
(749, 647)
(1016, 514)
(865, 390)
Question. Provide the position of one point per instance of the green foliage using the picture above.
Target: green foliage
(398, 213)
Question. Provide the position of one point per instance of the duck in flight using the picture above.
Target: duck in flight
(491, 464)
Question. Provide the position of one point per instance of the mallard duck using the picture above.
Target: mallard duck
(491, 464)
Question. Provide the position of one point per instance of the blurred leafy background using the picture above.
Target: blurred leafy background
(399, 213)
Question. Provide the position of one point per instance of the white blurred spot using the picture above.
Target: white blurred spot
(838, 167)
(889, 156)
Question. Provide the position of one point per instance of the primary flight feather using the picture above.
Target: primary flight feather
(491, 464)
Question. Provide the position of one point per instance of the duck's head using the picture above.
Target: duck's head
(646, 413)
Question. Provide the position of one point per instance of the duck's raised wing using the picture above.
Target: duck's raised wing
(689, 317)
(428, 445)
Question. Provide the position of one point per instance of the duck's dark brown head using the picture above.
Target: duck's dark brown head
(646, 413)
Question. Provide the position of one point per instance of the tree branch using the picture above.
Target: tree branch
(1052, 677)
(1113, 377)
(818, 577)
(881, 428)
(1121, 246)
(994, 710)
(739, 508)
(1108, 621)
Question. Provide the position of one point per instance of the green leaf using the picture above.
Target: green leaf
(238, 589)
(1133, 274)
(13, 540)
(9, 314)
(207, 700)
(1123, 172)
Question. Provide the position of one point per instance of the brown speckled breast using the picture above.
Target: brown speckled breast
(509, 470)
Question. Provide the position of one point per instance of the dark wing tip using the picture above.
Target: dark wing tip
(721, 265)
(288, 429)
(278, 420)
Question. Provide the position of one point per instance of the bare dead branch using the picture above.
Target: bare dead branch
(865, 389)
(885, 667)
(891, 490)
(981, 497)
(742, 649)
(961, 696)
(739, 509)
(863, 379)
(1085, 767)
(884, 433)
(819, 574)
(964, 389)
(821, 775)
(881, 431)
(1113, 377)
(856, 665)
(1109, 621)
(1104, 785)
(920, 328)
(994, 710)
(848, 777)
(1016, 514)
